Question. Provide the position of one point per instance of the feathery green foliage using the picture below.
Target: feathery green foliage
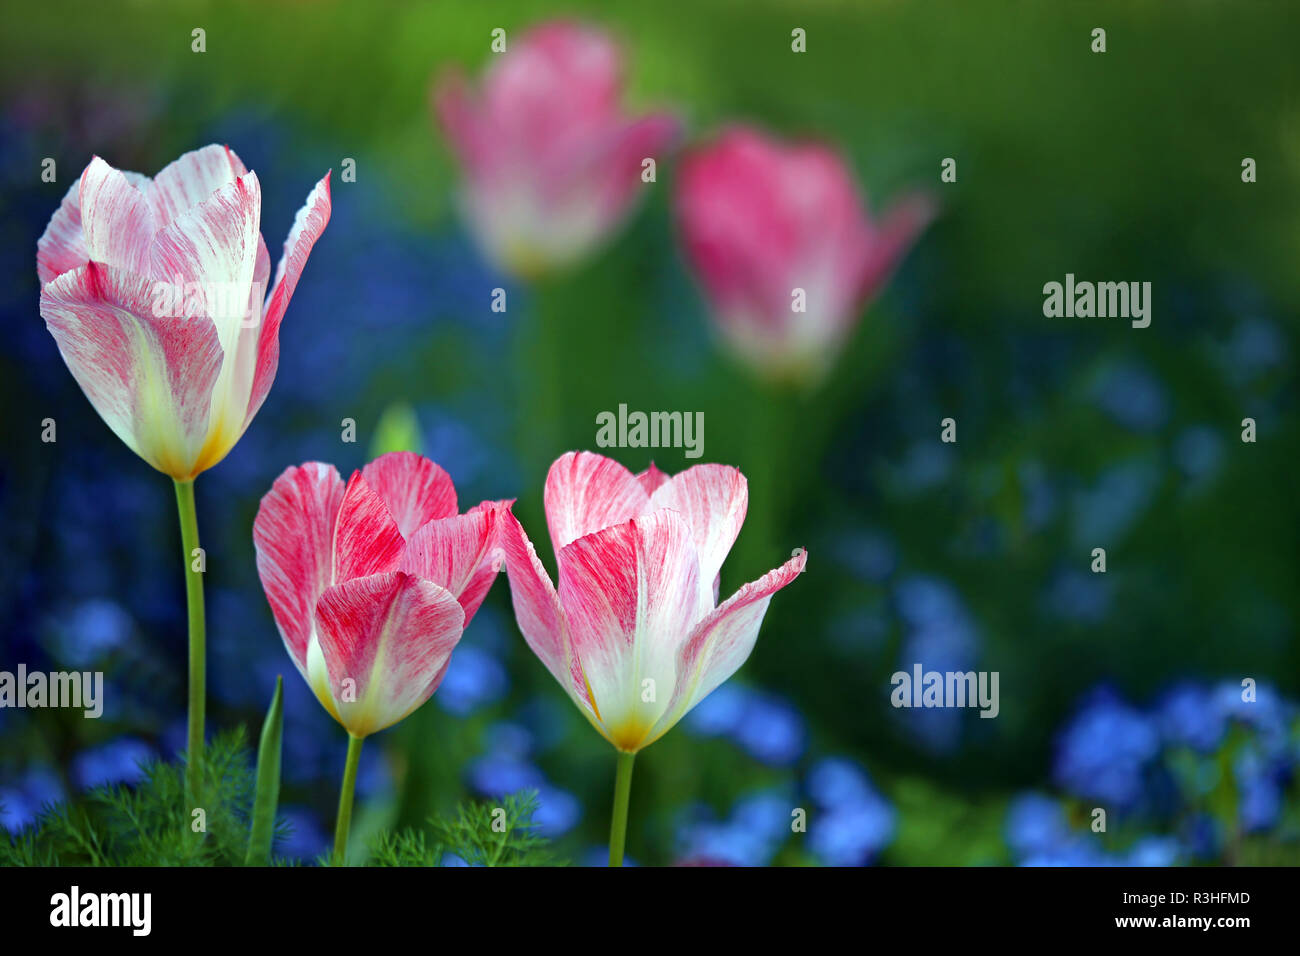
(481, 834)
(150, 823)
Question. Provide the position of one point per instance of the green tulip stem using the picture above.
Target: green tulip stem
(622, 792)
(344, 823)
(198, 640)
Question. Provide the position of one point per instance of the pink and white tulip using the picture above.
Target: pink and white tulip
(552, 162)
(372, 583)
(760, 219)
(156, 292)
(634, 634)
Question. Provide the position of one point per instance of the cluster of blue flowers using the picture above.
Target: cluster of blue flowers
(21, 801)
(1039, 834)
(1183, 781)
(846, 820)
(853, 821)
(939, 632)
(767, 727)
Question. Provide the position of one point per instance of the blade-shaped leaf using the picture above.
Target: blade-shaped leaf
(267, 796)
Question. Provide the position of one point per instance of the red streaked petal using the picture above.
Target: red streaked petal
(214, 244)
(537, 610)
(293, 535)
(721, 642)
(208, 257)
(713, 499)
(392, 635)
(631, 594)
(115, 219)
(460, 553)
(192, 178)
(652, 478)
(62, 247)
(471, 599)
(308, 225)
(415, 489)
(366, 539)
(586, 492)
(150, 378)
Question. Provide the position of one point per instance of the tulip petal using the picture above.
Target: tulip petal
(215, 244)
(713, 499)
(723, 640)
(480, 582)
(213, 248)
(760, 217)
(615, 165)
(459, 553)
(458, 114)
(366, 539)
(630, 595)
(191, 179)
(586, 492)
(308, 225)
(733, 226)
(538, 613)
(150, 378)
(415, 489)
(392, 635)
(293, 535)
(896, 234)
(764, 217)
(560, 81)
(262, 273)
(552, 163)
(651, 479)
(62, 247)
(115, 219)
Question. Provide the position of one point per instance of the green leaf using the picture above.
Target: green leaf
(267, 795)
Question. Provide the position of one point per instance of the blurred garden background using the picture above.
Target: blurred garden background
(1119, 690)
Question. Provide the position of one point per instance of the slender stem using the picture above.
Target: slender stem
(198, 641)
(622, 791)
(344, 823)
